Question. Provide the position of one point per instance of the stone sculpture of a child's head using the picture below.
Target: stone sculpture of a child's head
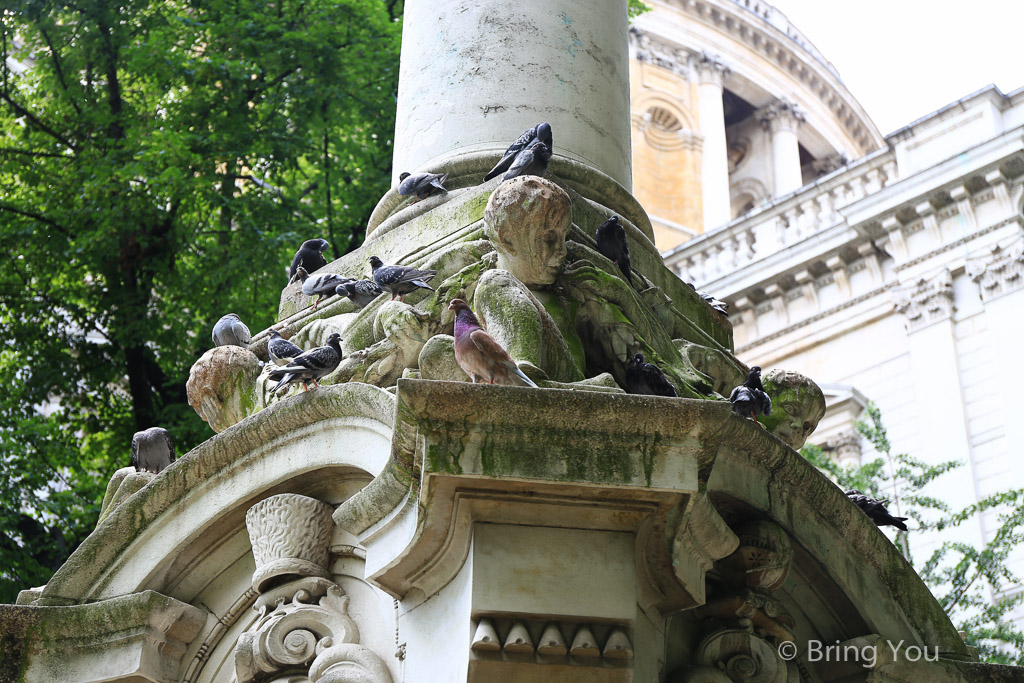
(527, 219)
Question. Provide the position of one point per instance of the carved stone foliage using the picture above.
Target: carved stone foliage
(926, 301)
(290, 535)
(846, 447)
(647, 48)
(304, 626)
(781, 115)
(998, 270)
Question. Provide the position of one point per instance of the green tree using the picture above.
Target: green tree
(971, 583)
(160, 162)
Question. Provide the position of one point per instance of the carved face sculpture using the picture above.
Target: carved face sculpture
(527, 219)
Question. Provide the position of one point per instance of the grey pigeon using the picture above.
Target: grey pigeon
(531, 161)
(310, 366)
(749, 399)
(542, 132)
(712, 301)
(361, 292)
(231, 331)
(611, 242)
(320, 284)
(400, 280)
(647, 378)
(422, 184)
(875, 509)
(280, 350)
(309, 256)
(152, 450)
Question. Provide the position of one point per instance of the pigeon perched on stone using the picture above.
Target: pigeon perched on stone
(310, 366)
(712, 301)
(749, 399)
(875, 509)
(309, 256)
(479, 355)
(647, 378)
(611, 242)
(280, 350)
(542, 132)
(152, 450)
(400, 280)
(361, 292)
(422, 184)
(533, 160)
(231, 331)
(320, 284)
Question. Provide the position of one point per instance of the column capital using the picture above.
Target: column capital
(649, 49)
(781, 115)
(710, 68)
(926, 301)
(998, 269)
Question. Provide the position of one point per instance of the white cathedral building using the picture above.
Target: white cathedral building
(887, 268)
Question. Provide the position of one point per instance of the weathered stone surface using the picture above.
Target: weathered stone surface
(289, 535)
(797, 406)
(124, 483)
(220, 385)
(437, 360)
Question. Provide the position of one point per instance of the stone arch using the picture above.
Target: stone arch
(745, 194)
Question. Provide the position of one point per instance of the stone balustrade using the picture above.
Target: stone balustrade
(787, 220)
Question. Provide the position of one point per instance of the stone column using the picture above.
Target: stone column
(712, 73)
(474, 75)
(781, 119)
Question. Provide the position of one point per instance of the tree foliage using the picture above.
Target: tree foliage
(160, 162)
(973, 584)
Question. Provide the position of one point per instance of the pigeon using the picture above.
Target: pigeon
(152, 450)
(280, 350)
(611, 242)
(320, 284)
(422, 184)
(309, 256)
(310, 366)
(231, 331)
(647, 378)
(479, 355)
(875, 509)
(361, 292)
(400, 280)
(542, 132)
(749, 399)
(531, 161)
(711, 300)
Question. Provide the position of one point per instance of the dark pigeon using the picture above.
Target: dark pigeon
(310, 366)
(320, 284)
(422, 184)
(711, 300)
(152, 450)
(361, 292)
(309, 256)
(611, 242)
(400, 280)
(280, 350)
(231, 331)
(875, 509)
(531, 161)
(479, 356)
(542, 132)
(749, 399)
(647, 378)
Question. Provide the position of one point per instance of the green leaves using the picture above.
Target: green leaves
(973, 584)
(161, 162)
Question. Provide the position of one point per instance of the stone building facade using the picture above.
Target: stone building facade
(890, 272)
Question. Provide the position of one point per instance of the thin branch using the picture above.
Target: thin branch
(36, 122)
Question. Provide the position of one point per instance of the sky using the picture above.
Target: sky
(903, 59)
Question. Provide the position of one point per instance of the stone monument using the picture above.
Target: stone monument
(399, 523)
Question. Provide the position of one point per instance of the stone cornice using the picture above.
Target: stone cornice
(804, 64)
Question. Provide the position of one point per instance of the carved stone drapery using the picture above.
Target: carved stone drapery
(303, 625)
(290, 535)
(926, 301)
(999, 269)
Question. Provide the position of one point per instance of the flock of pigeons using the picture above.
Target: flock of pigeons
(481, 357)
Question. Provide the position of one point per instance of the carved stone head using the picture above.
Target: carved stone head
(527, 219)
(797, 406)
